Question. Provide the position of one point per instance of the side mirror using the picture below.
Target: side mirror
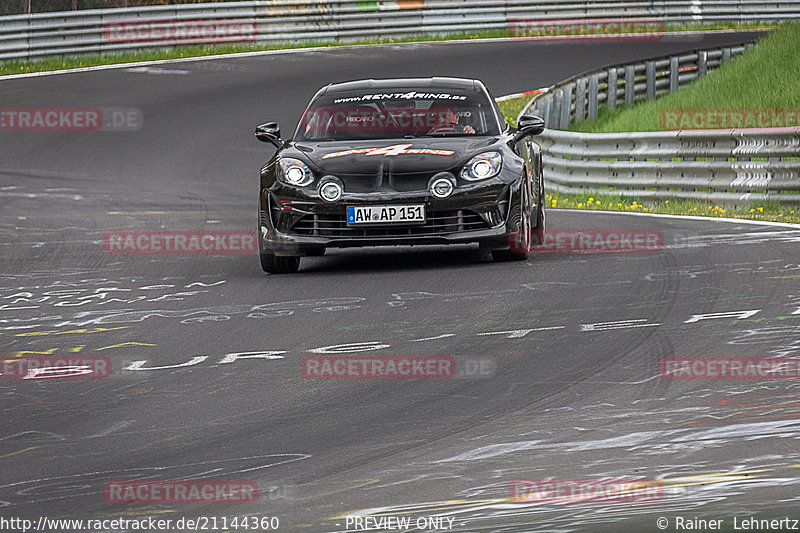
(528, 125)
(269, 133)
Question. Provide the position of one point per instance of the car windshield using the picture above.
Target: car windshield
(397, 114)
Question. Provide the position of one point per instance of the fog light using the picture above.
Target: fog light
(442, 188)
(330, 191)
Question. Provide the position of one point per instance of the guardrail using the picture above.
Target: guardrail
(731, 166)
(279, 21)
(722, 166)
(581, 96)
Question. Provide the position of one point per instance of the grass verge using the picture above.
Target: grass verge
(762, 78)
(65, 63)
(771, 211)
(512, 107)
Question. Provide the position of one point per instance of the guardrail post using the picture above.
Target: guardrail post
(673, 74)
(566, 107)
(611, 89)
(593, 95)
(558, 98)
(726, 55)
(553, 112)
(548, 106)
(650, 71)
(580, 99)
(630, 85)
(702, 63)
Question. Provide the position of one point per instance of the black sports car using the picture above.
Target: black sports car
(398, 162)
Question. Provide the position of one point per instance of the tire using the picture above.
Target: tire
(274, 264)
(539, 229)
(520, 229)
(279, 265)
(507, 255)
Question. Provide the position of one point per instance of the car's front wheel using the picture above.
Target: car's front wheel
(275, 264)
(519, 234)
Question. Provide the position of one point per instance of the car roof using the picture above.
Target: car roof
(403, 83)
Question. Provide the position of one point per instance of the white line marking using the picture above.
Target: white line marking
(621, 324)
(446, 335)
(519, 333)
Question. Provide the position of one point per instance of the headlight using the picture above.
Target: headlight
(295, 172)
(482, 166)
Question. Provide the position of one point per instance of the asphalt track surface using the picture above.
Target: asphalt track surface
(575, 340)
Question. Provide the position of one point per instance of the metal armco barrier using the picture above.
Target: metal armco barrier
(580, 97)
(722, 166)
(279, 21)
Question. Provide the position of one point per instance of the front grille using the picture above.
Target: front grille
(436, 223)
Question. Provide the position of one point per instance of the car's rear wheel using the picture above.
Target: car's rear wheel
(540, 223)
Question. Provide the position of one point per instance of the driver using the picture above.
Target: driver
(448, 120)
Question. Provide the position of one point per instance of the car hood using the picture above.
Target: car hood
(394, 156)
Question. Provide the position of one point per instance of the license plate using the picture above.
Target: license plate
(385, 214)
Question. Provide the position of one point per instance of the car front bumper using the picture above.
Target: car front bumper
(294, 221)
